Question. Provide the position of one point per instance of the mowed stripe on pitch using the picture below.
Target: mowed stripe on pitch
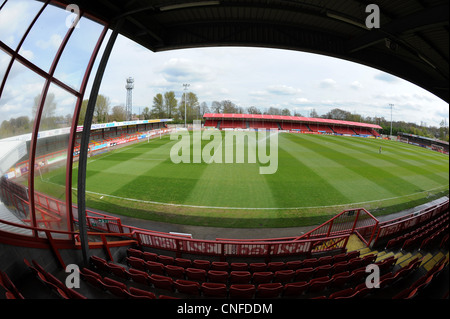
(387, 169)
(350, 183)
(232, 184)
(111, 173)
(434, 167)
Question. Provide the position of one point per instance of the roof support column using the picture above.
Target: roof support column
(85, 142)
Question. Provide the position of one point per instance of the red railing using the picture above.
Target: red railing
(398, 225)
(331, 235)
(350, 221)
(239, 248)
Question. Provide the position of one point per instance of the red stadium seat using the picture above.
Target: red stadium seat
(245, 291)
(218, 276)
(269, 290)
(258, 267)
(319, 284)
(162, 282)
(294, 264)
(182, 262)
(139, 276)
(174, 271)
(220, 265)
(325, 260)
(201, 264)
(134, 253)
(99, 263)
(346, 293)
(284, 276)
(304, 274)
(239, 266)
(240, 277)
(295, 289)
(136, 263)
(166, 260)
(155, 267)
(92, 278)
(118, 271)
(341, 279)
(117, 288)
(276, 266)
(195, 274)
(341, 267)
(136, 293)
(324, 270)
(187, 287)
(262, 277)
(310, 263)
(210, 289)
(339, 258)
(149, 256)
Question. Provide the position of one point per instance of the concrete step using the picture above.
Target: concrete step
(8, 216)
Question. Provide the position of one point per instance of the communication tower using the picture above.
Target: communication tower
(129, 105)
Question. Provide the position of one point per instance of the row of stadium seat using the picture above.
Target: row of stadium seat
(423, 282)
(242, 266)
(435, 229)
(341, 285)
(290, 126)
(8, 288)
(52, 283)
(355, 265)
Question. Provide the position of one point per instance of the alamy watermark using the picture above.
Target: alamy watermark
(72, 20)
(73, 278)
(373, 279)
(373, 19)
(221, 150)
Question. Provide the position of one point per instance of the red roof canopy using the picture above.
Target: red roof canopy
(231, 116)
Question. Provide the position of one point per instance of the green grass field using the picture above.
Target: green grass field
(318, 176)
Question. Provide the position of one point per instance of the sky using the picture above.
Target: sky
(264, 77)
(258, 77)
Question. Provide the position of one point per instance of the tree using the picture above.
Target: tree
(313, 113)
(286, 112)
(158, 107)
(15, 126)
(82, 112)
(253, 110)
(204, 108)
(216, 107)
(273, 111)
(170, 103)
(229, 107)
(338, 114)
(118, 113)
(101, 109)
(192, 107)
(48, 112)
(146, 113)
(443, 130)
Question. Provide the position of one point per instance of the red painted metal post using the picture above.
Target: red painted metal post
(16, 52)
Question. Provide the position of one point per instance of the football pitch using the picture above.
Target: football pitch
(317, 177)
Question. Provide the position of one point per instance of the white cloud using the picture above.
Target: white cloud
(356, 85)
(256, 77)
(283, 90)
(301, 100)
(52, 43)
(327, 83)
(385, 77)
(178, 70)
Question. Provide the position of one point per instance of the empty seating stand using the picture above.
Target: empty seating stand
(339, 276)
